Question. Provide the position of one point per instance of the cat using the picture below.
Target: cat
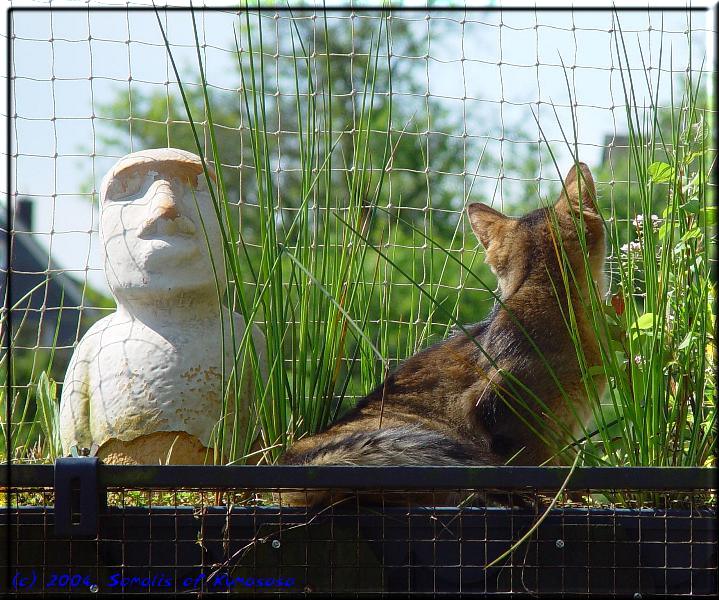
(449, 404)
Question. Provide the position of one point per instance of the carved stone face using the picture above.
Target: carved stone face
(150, 228)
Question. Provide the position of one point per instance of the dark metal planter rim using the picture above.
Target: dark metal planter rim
(385, 478)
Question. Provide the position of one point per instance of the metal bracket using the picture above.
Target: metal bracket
(77, 497)
(77, 452)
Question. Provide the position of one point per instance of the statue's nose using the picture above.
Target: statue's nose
(164, 217)
(163, 202)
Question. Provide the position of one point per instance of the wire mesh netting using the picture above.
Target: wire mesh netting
(439, 108)
(189, 539)
(89, 86)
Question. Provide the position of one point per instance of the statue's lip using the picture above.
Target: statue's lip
(170, 239)
(182, 228)
(169, 247)
(162, 243)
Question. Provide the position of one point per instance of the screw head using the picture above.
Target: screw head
(94, 588)
(276, 544)
(559, 544)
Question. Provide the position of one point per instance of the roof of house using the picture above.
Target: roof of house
(37, 282)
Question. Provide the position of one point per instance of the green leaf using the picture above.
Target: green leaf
(49, 414)
(617, 347)
(646, 321)
(689, 158)
(616, 332)
(691, 234)
(660, 172)
(686, 341)
(691, 205)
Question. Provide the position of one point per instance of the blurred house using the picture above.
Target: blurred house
(615, 150)
(45, 300)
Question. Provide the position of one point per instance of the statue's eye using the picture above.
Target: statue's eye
(122, 188)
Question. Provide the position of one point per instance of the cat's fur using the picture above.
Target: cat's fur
(448, 405)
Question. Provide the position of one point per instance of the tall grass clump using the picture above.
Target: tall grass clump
(304, 281)
(313, 268)
(29, 407)
(321, 274)
(657, 325)
(322, 263)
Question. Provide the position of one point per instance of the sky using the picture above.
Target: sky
(488, 67)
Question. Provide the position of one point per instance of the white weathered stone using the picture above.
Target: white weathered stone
(152, 371)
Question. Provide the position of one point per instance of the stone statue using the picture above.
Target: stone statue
(145, 383)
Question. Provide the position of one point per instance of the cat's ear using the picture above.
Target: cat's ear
(578, 192)
(487, 223)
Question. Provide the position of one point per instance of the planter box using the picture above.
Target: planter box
(275, 549)
(421, 550)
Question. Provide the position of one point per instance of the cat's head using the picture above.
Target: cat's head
(528, 249)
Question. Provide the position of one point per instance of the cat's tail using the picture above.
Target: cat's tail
(393, 446)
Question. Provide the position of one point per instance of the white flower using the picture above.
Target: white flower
(638, 222)
(631, 247)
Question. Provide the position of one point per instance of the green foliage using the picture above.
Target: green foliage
(350, 253)
(657, 332)
(621, 200)
(34, 427)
